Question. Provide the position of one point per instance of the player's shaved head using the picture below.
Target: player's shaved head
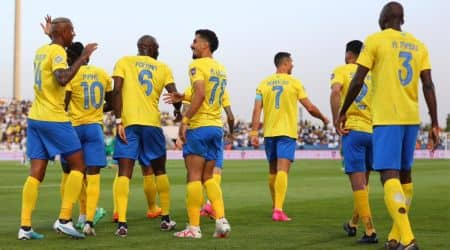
(146, 39)
(62, 31)
(148, 46)
(391, 16)
(59, 25)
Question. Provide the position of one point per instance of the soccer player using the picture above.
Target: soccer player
(150, 191)
(49, 131)
(397, 60)
(278, 95)
(85, 96)
(87, 121)
(138, 83)
(357, 140)
(202, 132)
(186, 97)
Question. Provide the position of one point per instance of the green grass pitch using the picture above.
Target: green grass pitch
(319, 200)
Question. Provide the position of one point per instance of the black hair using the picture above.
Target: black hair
(210, 37)
(354, 46)
(74, 52)
(279, 57)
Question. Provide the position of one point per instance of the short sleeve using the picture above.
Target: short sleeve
(367, 56)
(195, 73)
(168, 77)
(259, 93)
(69, 86)
(187, 95)
(337, 77)
(119, 69)
(301, 92)
(108, 79)
(425, 64)
(59, 59)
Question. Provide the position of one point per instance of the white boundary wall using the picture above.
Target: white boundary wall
(260, 154)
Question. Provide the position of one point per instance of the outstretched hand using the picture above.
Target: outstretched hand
(88, 50)
(174, 97)
(47, 27)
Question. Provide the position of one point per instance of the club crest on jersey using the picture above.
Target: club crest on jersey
(193, 71)
(58, 59)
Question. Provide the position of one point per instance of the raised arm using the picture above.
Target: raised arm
(63, 76)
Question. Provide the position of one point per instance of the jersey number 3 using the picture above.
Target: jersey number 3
(407, 56)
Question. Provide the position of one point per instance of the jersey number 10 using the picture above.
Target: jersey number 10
(89, 94)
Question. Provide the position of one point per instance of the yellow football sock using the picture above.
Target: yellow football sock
(394, 234)
(214, 193)
(355, 216)
(63, 184)
(281, 182)
(114, 195)
(361, 198)
(408, 191)
(150, 191)
(194, 201)
(29, 197)
(163, 186)
(82, 199)
(272, 187)
(122, 191)
(395, 203)
(218, 178)
(71, 193)
(93, 194)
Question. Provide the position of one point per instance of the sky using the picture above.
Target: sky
(250, 33)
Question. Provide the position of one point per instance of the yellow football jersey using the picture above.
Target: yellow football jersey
(88, 89)
(359, 115)
(188, 95)
(144, 79)
(395, 59)
(214, 75)
(280, 94)
(48, 104)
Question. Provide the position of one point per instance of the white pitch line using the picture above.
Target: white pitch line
(21, 186)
